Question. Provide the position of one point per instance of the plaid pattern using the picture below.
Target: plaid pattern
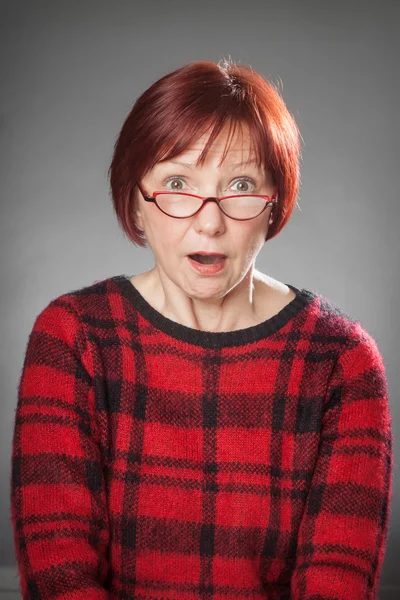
(155, 461)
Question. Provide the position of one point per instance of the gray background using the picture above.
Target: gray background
(70, 72)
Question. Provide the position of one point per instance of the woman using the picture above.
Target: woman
(202, 429)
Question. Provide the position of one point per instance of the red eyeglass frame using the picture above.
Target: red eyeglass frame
(269, 201)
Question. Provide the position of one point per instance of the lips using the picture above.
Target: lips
(207, 258)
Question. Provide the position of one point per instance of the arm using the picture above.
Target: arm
(58, 501)
(344, 528)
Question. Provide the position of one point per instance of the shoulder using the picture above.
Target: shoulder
(79, 309)
(90, 299)
(324, 314)
(80, 318)
(325, 327)
(351, 339)
(329, 324)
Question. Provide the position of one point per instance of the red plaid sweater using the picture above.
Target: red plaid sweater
(155, 461)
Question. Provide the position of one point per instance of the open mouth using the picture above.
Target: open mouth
(207, 260)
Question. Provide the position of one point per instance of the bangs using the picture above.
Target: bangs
(236, 127)
(190, 132)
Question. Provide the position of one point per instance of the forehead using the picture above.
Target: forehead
(227, 150)
(191, 165)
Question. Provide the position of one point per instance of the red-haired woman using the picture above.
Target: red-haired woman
(202, 429)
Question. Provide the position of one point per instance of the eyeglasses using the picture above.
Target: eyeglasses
(241, 207)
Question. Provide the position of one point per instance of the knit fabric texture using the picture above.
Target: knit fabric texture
(155, 461)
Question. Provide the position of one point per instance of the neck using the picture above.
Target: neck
(206, 305)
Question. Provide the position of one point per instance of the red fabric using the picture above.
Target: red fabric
(145, 465)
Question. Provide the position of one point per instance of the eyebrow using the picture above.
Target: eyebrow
(192, 166)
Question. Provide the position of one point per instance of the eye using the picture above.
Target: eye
(247, 180)
(173, 178)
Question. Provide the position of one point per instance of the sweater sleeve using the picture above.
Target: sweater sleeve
(58, 502)
(344, 528)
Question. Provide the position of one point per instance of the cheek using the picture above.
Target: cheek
(254, 242)
(152, 225)
(251, 233)
(168, 240)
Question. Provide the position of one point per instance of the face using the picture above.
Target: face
(171, 240)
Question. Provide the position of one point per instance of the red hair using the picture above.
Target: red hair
(180, 107)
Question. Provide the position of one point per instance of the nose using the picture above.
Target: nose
(210, 217)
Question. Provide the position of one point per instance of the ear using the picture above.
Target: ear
(139, 218)
(137, 212)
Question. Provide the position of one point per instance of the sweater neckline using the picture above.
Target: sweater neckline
(213, 339)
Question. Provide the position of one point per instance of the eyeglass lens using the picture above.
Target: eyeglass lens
(238, 207)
